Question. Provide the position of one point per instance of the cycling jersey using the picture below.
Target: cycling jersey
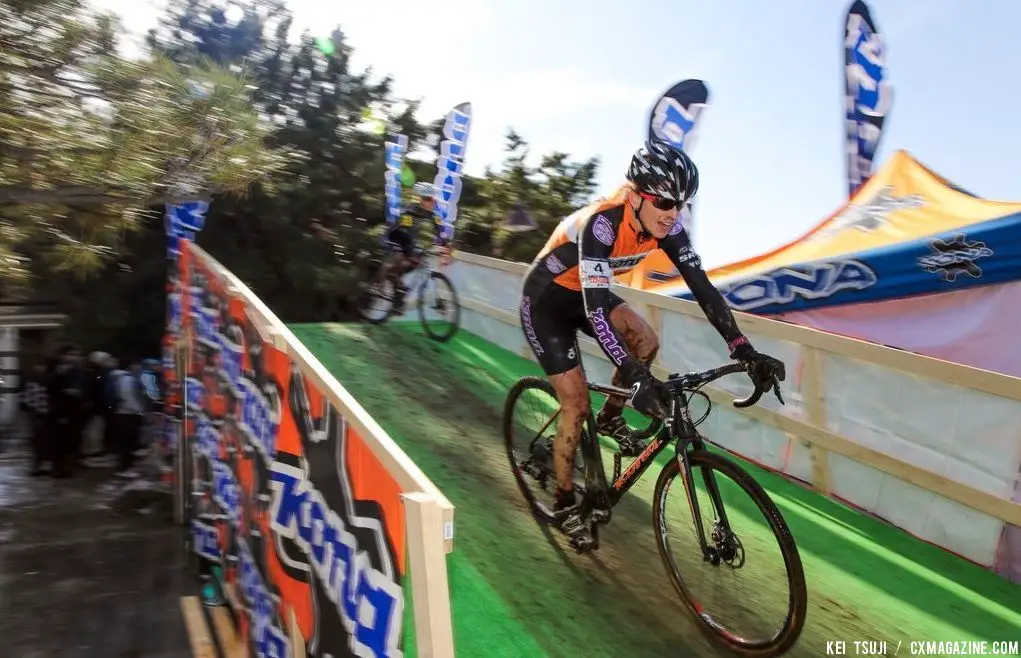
(404, 231)
(582, 255)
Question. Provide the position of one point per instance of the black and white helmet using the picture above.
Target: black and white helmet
(662, 170)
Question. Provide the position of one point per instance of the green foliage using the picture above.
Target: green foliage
(280, 118)
(90, 140)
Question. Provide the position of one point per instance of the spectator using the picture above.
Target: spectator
(35, 402)
(65, 409)
(128, 410)
(101, 404)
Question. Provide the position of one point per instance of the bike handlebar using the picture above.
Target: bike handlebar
(677, 383)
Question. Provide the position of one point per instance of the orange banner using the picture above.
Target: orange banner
(297, 515)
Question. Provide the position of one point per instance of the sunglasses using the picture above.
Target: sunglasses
(659, 203)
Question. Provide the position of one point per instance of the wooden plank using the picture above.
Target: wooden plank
(231, 643)
(198, 631)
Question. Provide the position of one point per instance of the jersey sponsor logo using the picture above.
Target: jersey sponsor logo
(603, 231)
(526, 322)
(814, 281)
(554, 265)
(606, 338)
(686, 255)
(624, 263)
(595, 273)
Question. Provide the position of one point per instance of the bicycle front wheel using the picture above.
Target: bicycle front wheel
(438, 308)
(746, 585)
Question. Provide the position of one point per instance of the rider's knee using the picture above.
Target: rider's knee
(651, 349)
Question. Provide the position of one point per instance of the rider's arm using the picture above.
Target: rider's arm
(443, 233)
(594, 247)
(678, 250)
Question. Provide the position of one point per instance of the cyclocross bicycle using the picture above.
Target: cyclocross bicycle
(720, 548)
(438, 306)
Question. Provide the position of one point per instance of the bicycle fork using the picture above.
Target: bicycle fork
(722, 543)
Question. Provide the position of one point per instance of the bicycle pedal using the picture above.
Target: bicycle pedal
(631, 448)
(583, 545)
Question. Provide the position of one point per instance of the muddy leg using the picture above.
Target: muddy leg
(642, 342)
(572, 392)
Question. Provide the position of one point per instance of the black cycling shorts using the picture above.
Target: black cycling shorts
(404, 241)
(551, 315)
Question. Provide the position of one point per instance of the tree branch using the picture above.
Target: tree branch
(17, 195)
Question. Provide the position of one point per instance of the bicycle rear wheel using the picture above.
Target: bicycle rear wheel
(375, 298)
(438, 308)
(529, 424)
(739, 535)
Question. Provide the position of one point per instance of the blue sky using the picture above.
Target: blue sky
(581, 75)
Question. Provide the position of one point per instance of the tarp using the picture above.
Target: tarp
(906, 232)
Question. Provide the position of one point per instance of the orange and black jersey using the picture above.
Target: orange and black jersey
(603, 239)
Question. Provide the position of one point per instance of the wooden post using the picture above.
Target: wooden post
(427, 563)
(815, 410)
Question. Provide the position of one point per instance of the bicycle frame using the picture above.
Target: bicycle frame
(680, 419)
(678, 427)
(417, 278)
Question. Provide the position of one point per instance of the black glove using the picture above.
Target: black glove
(649, 396)
(761, 367)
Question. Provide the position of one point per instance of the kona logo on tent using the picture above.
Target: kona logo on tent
(956, 256)
(816, 281)
(872, 214)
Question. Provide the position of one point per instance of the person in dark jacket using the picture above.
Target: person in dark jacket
(35, 402)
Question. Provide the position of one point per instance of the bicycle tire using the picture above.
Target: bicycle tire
(522, 385)
(798, 600)
(455, 323)
(364, 296)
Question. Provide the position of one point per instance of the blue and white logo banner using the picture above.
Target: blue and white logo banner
(396, 147)
(675, 119)
(450, 165)
(869, 93)
(182, 221)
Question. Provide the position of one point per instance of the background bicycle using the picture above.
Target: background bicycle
(430, 291)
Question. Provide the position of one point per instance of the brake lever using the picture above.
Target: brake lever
(776, 390)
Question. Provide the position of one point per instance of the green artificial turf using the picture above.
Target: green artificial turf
(517, 592)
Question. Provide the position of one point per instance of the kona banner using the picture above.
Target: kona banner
(869, 94)
(291, 512)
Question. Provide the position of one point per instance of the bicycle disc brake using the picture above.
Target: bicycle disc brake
(726, 547)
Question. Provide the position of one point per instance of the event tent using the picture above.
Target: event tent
(911, 261)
